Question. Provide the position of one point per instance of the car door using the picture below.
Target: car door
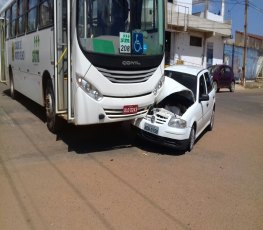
(203, 105)
(211, 93)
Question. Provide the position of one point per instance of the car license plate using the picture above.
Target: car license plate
(130, 109)
(151, 128)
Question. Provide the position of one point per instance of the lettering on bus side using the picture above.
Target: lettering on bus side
(35, 52)
(35, 56)
(18, 52)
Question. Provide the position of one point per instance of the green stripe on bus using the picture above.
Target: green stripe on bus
(103, 46)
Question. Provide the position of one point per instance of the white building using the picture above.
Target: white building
(194, 39)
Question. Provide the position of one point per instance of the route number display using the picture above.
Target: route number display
(125, 42)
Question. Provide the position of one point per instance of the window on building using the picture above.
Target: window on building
(32, 15)
(195, 41)
(46, 13)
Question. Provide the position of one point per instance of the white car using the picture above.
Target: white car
(184, 108)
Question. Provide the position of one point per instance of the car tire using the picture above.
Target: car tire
(52, 119)
(232, 87)
(212, 121)
(191, 140)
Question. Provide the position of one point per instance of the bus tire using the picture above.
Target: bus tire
(12, 85)
(52, 119)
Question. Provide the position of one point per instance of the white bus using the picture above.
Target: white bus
(89, 61)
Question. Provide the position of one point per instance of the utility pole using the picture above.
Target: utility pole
(243, 80)
(206, 8)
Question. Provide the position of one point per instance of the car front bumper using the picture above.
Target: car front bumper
(164, 141)
(167, 136)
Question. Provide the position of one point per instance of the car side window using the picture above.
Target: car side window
(202, 86)
(208, 81)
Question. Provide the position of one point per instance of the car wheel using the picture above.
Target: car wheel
(212, 120)
(232, 87)
(52, 120)
(191, 140)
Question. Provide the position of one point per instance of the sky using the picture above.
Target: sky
(235, 11)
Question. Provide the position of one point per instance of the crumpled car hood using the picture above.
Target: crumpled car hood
(170, 87)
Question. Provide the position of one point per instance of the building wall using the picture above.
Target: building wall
(183, 6)
(183, 51)
(215, 17)
(195, 55)
(218, 48)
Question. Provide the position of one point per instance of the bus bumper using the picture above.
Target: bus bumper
(89, 111)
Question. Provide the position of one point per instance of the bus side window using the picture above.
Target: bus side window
(7, 23)
(21, 17)
(32, 15)
(45, 14)
(13, 20)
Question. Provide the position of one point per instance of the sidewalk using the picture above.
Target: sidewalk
(249, 85)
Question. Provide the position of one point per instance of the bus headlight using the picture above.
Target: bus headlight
(89, 89)
(177, 123)
(159, 85)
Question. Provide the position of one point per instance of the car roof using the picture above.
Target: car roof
(220, 65)
(193, 70)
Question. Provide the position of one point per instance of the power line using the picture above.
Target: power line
(253, 5)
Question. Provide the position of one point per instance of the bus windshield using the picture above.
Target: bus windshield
(121, 27)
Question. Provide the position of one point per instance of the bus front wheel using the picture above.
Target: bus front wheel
(52, 120)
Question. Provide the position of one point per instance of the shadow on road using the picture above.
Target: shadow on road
(95, 138)
(155, 148)
(30, 105)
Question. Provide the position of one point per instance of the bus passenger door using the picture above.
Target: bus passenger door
(62, 57)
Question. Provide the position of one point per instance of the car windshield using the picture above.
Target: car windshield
(187, 80)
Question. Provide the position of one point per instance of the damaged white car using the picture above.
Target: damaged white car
(184, 108)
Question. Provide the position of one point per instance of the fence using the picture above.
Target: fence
(233, 56)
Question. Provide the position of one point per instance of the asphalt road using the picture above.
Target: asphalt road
(98, 177)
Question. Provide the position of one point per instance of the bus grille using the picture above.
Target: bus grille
(118, 113)
(127, 77)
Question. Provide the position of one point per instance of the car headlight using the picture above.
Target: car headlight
(89, 88)
(159, 85)
(177, 123)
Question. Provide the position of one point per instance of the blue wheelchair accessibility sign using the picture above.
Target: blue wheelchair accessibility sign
(137, 43)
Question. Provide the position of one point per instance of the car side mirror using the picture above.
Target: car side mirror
(204, 97)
